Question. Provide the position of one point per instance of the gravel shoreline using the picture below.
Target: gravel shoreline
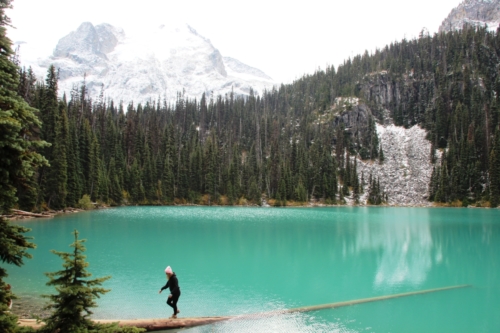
(29, 307)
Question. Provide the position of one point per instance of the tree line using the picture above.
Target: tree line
(233, 149)
(216, 150)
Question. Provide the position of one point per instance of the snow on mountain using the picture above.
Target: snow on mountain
(473, 12)
(145, 66)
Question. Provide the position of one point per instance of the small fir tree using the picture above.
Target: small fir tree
(76, 293)
(76, 296)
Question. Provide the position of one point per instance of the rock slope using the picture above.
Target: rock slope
(473, 12)
(406, 171)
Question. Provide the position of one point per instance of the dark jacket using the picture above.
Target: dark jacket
(173, 284)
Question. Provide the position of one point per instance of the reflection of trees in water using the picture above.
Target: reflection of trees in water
(404, 250)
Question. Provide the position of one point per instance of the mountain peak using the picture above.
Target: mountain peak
(155, 62)
(89, 40)
(475, 13)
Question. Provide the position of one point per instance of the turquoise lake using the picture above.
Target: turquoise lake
(232, 261)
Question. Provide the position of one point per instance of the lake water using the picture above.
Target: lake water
(233, 261)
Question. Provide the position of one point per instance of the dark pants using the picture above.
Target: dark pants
(173, 301)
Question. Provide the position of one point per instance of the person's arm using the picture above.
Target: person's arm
(164, 287)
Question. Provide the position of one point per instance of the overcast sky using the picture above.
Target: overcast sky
(285, 39)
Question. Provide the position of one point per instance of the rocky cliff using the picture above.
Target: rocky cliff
(473, 12)
(406, 170)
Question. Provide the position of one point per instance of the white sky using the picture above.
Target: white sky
(285, 39)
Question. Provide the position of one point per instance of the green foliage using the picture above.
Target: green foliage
(13, 249)
(76, 295)
(18, 125)
(495, 172)
(376, 196)
(300, 193)
(85, 202)
(290, 140)
(18, 160)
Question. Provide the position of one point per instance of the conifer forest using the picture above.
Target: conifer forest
(286, 145)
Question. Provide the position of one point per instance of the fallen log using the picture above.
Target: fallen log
(163, 324)
(150, 325)
(24, 213)
(368, 300)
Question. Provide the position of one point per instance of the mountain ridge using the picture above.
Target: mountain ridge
(148, 66)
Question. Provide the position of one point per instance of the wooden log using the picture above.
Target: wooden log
(152, 325)
(162, 324)
(24, 213)
(371, 299)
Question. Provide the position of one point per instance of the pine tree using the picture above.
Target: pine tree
(168, 180)
(495, 172)
(254, 193)
(13, 249)
(94, 168)
(18, 161)
(18, 122)
(230, 193)
(442, 194)
(281, 194)
(57, 175)
(76, 295)
(381, 155)
(355, 182)
(74, 186)
(300, 193)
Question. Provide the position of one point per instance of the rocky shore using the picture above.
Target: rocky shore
(28, 307)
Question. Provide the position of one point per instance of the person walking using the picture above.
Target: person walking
(175, 291)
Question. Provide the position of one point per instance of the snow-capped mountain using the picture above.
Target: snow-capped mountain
(475, 13)
(147, 66)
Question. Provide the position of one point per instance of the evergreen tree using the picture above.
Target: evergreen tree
(13, 249)
(18, 161)
(381, 155)
(495, 172)
(281, 194)
(18, 126)
(57, 175)
(76, 295)
(375, 194)
(94, 168)
(74, 185)
(300, 193)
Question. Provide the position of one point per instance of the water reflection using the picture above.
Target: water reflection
(282, 323)
(403, 248)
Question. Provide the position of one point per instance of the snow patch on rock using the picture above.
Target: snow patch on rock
(406, 171)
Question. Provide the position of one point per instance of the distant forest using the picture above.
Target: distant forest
(277, 146)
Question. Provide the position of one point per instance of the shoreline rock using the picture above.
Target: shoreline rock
(30, 307)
